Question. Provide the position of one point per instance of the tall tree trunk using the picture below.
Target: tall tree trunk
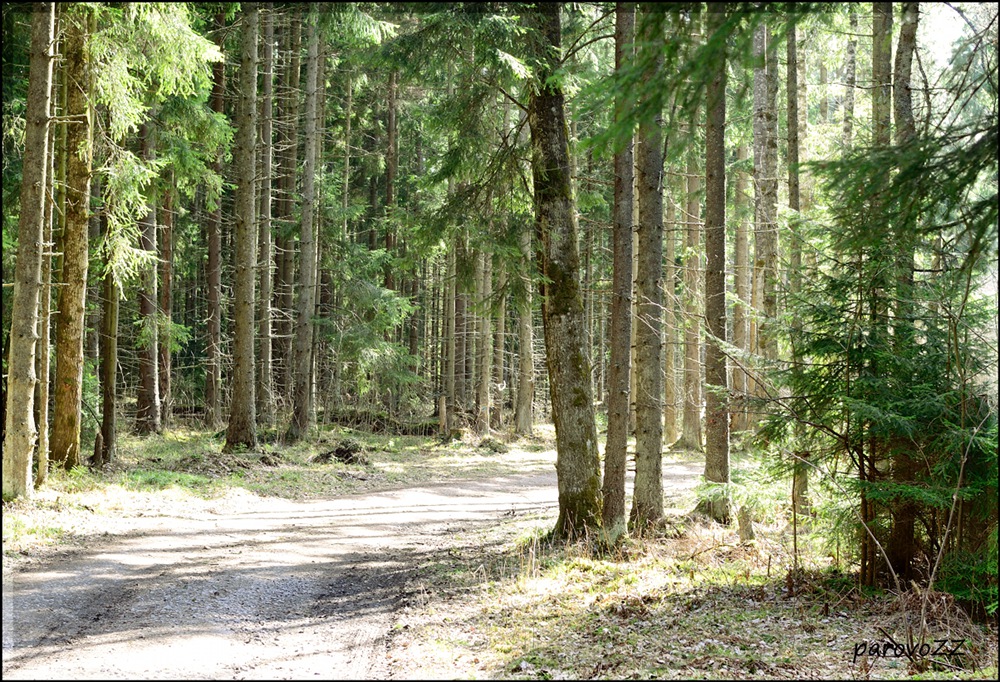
(391, 168)
(485, 345)
(461, 331)
(242, 431)
(800, 470)
(451, 349)
(716, 373)
(109, 367)
(619, 371)
(523, 410)
(902, 544)
(147, 417)
(42, 353)
(166, 300)
(213, 360)
(765, 196)
(670, 432)
(284, 244)
(301, 399)
(741, 327)
(500, 338)
(881, 73)
(851, 66)
(265, 382)
(19, 429)
(647, 499)
(691, 424)
(70, 327)
(577, 463)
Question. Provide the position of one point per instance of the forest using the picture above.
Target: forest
(726, 271)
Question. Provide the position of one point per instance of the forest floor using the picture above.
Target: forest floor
(422, 560)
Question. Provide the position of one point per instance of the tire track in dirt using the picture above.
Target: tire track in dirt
(252, 588)
(262, 588)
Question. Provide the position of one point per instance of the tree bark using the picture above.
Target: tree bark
(523, 410)
(284, 244)
(902, 544)
(647, 498)
(716, 373)
(485, 345)
(19, 430)
(800, 470)
(765, 196)
(741, 327)
(499, 342)
(166, 300)
(391, 169)
(42, 353)
(882, 73)
(302, 396)
(577, 463)
(691, 423)
(619, 371)
(213, 360)
(109, 368)
(70, 325)
(451, 351)
(242, 431)
(851, 66)
(670, 432)
(265, 382)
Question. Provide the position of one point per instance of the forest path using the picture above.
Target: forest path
(252, 588)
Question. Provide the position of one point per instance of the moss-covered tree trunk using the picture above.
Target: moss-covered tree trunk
(620, 362)
(647, 499)
(19, 429)
(70, 323)
(716, 373)
(242, 430)
(577, 463)
(303, 374)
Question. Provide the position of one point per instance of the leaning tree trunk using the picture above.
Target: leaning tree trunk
(302, 394)
(577, 463)
(619, 371)
(19, 429)
(70, 324)
(716, 373)
(242, 431)
(647, 499)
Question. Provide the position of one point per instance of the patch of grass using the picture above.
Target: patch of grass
(184, 465)
(692, 605)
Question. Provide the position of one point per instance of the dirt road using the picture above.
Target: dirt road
(248, 587)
